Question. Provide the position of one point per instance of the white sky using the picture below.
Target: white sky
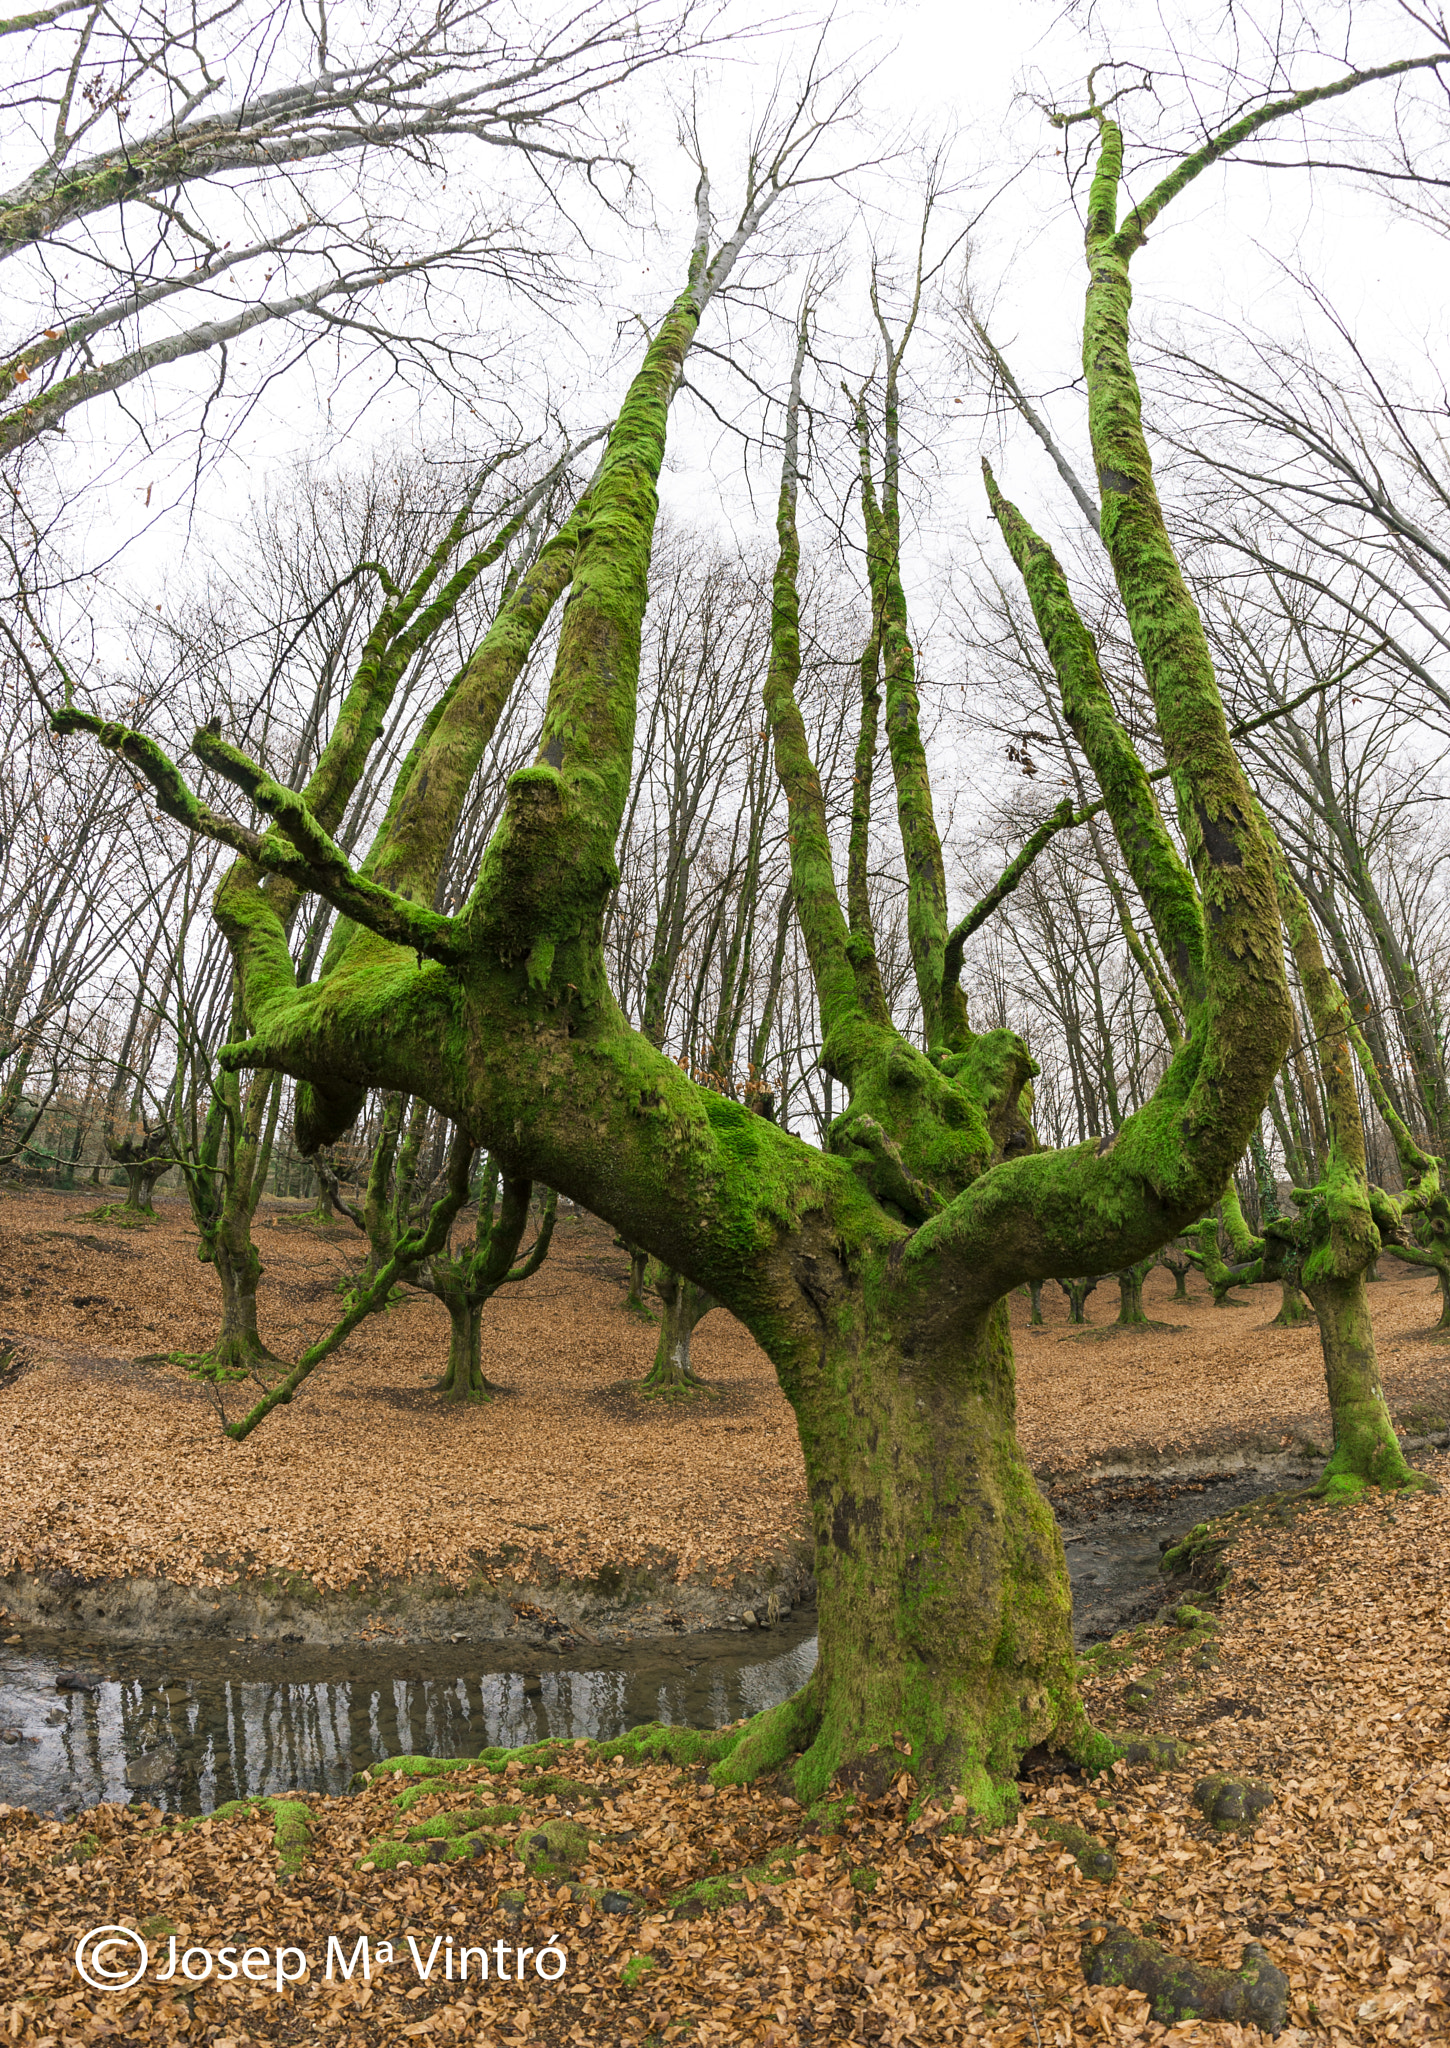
(937, 67)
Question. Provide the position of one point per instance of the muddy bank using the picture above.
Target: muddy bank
(611, 1608)
(1114, 1516)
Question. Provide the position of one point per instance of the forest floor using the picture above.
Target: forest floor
(110, 1469)
(691, 1915)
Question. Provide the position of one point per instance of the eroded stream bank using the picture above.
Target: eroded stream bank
(191, 1723)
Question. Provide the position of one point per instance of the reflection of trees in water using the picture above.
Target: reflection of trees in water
(233, 1737)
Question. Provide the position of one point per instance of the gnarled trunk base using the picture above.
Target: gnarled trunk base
(463, 1377)
(945, 1611)
(1366, 1450)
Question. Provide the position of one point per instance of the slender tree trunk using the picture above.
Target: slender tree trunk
(1336, 1234)
(1365, 1444)
(238, 1345)
(1034, 1292)
(638, 1268)
(226, 1235)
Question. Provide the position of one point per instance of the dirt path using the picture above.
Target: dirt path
(109, 1469)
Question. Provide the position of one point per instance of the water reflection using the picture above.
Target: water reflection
(191, 1728)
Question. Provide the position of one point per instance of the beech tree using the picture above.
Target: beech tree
(192, 177)
(875, 1273)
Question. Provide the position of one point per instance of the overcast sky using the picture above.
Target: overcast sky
(941, 74)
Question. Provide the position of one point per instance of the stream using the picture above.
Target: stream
(187, 1726)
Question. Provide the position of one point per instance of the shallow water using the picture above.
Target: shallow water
(224, 1724)
(213, 1722)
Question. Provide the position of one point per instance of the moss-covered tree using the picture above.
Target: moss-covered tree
(875, 1274)
(466, 1277)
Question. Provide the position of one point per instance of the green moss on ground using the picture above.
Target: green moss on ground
(291, 1827)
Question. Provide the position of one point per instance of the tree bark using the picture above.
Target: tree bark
(1130, 1294)
(944, 1607)
(683, 1306)
(1077, 1292)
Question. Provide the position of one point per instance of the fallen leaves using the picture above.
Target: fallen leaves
(111, 1469)
(888, 1928)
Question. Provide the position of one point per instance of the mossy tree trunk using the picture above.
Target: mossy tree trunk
(1034, 1296)
(1180, 1268)
(683, 1305)
(143, 1157)
(1336, 1236)
(1221, 1277)
(465, 1280)
(1130, 1293)
(1077, 1291)
(224, 1178)
(873, 1273)
(1294, 1310)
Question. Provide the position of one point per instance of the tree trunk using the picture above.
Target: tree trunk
(1034, 1291)
(140, 1181)
(238, 1347)
(1442, 1281)
(1294, 1310)
(684, 1305)
(1130, 1296)
(1077, 1292)
(638, 1267)
(1365, 1444)
(1179, 1268)
(463, 1376)
(945, 1614)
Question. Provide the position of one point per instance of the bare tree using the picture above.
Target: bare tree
(197, 174)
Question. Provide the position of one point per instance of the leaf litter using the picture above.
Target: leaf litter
(729, 1916)
(110, 1469)
(1326, 1674)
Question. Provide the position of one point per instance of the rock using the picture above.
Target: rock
(749, 1618)
(1139, 1697)
(1179, 1989)
(9, 1734)
(555, 1850)
(616, 1902)
(157, 1768)
(1233, 1805)
(1093, 1858)
(56, 1718)
(1187, 1616)
(78, 1681)
(12, 1642)
(1163, 1752)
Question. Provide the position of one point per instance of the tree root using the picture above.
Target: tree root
(119, 1215)
(223, 1365)
(1178, 1989)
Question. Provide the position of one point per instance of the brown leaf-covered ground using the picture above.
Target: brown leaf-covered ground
(1325, 1674)
(110, 1469)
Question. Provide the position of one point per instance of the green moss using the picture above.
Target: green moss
(291, 1827)
(1094, 1858)
(634, 1970)
(554, 1849)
